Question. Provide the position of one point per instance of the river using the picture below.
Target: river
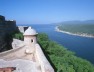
(82, 46)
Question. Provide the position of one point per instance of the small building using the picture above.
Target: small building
(22, 28)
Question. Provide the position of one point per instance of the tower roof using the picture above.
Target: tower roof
(30, 31)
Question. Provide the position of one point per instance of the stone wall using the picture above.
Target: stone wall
(6, 27)
(10, 26)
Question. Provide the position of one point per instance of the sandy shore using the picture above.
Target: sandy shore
(77, 34)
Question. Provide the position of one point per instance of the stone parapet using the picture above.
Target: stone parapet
(44, 63)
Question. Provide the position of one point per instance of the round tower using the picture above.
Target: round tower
(30, 36)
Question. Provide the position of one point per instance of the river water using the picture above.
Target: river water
(82, 46)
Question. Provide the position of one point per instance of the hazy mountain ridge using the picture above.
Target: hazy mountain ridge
(78, 22)
(81, 28)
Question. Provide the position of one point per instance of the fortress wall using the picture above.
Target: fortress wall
(10, 26)
(45, 65)
(13, 53)
(2, 33)
(6, 27)
(2, 18)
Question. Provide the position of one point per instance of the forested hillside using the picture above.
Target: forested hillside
(62, 59)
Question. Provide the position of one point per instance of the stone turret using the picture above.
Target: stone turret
(30, 36)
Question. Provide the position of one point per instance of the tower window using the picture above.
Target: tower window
(31, 40)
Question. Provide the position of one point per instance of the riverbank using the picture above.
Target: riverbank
(77, 34)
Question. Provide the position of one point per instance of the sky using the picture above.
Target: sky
(46, 11)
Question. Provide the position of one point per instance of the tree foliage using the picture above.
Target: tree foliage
(17, 35)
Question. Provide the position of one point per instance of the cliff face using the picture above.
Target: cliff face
(6, 27)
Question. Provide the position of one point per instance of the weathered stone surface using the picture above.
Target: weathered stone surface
(17, 43)
(21, 65)
(44, 63)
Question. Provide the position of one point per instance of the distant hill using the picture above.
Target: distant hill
(78, 22)
(81, 28)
